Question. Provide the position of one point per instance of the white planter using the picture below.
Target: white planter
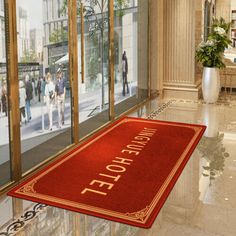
(210, 84)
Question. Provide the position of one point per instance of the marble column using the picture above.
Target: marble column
(176, 29)
(179, 69)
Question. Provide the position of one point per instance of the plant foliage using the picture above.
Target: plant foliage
(210, 53)
(58, 35)
(29, 56)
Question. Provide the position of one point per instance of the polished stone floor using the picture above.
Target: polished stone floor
(203, 201)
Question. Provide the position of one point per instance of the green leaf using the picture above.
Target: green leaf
(226, 154)
(205, 175)
(206, 167)
(211, 54)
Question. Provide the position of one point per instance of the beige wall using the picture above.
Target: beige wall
(199, 31)
(233, 4)
(157, 44)
(223, 9)
(142, 47)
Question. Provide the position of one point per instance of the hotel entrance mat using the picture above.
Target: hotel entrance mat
(124, 173)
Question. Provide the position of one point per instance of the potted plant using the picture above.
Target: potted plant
(210, 55)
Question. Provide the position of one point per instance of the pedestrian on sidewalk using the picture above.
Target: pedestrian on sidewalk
(60, 90)
(125, 72)
(43, 84)
(22, 96)
(0, 97)
(32, 82)
(39, 87)
(29, 96)
(36, 87)
(4, 98)
(49, 98)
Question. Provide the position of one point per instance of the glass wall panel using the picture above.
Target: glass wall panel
(93, 93)
(131, 53)
(44, 88)
(4, 119)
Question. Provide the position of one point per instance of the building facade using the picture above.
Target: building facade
(36, 43)
(23, 36)
(2, 30)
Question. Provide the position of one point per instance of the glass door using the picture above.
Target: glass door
(93, 79)
(5, 170)
(45, 106)
(131, 53)
(44, 84)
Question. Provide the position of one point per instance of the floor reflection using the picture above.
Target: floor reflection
(201, 203)
(213, 151)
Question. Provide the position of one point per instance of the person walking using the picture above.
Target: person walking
(36, 87)
(22, 96)
(60, 90)
(125, 72)
(39, 89)
(0, 98)
(4, 99)
(29, 96)
(43, 84)
(49, 96)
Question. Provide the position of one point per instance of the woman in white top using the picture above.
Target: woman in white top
(49, 97)
(22, 96)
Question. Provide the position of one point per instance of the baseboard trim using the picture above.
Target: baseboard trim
(192, 92)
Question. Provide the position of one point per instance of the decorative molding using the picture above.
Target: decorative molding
(140, 215)
(157, 112)
(20, 223)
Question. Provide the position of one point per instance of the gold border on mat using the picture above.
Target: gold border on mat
(140, 216)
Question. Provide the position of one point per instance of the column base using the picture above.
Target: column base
(190, 92)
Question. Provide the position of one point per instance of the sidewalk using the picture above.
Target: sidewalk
(39, 124)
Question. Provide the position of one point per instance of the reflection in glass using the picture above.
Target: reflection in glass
(45, 97)
(4, 124)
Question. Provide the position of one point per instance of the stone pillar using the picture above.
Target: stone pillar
(179, 69)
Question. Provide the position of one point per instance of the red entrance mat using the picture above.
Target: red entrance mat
(124, 173)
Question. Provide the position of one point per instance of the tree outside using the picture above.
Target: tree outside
(96, 15)
(58, 35)
(29, 56)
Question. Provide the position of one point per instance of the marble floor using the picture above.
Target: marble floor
(203, 201)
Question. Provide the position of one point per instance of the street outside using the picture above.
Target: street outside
(39, 124)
